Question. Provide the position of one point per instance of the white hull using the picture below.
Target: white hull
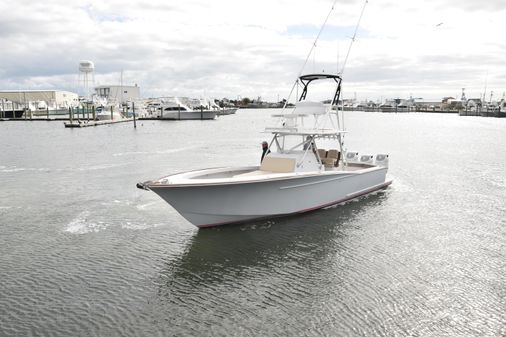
(228, 111)
(217, 203)
(107, 116)
(189, 115)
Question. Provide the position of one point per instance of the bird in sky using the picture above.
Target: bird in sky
(439, 24)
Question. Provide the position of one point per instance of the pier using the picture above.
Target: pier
(85, 123)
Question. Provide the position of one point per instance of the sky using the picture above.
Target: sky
(233, 48)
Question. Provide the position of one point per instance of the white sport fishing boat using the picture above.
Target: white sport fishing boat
(300, 173)
(176, 109)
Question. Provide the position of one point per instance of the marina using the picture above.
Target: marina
(150, 109)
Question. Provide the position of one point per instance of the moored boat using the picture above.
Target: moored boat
(175, 109)
(108, 112)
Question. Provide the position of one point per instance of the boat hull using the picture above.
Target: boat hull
(189, 115)
(107, 116)
(12, 114)
(229, 111)
(207, 205)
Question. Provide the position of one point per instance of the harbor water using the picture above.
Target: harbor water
(83, 252)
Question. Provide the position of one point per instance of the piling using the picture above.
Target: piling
(201, 112)
(93, 113)
(112, 117)
(133, 110)
(47, 112)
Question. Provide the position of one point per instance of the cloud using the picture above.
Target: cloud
(471, 5)
(231, 48)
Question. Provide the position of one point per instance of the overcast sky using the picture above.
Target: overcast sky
(236, 48)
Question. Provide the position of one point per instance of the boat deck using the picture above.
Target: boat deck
(248, 174)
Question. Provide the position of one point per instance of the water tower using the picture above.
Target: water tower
(86, 73)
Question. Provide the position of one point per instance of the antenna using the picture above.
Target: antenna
(485, 92)
(314, 57)
(121, 87)
(337, 60)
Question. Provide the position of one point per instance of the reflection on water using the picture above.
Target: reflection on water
(216, 253)
(261, 268)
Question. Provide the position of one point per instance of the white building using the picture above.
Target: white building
(118, 93)
(33, 100)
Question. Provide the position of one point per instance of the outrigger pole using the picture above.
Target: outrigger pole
(354, 36)
(346, 60)
(316, 40)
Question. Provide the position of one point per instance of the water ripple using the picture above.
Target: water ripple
(84, 253)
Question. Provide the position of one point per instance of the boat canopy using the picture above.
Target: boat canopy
(307, 79)
(310, 118)
(304, 132)
(312, 77)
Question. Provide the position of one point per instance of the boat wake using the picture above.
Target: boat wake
(99, 167)
(401, 185)
(83, 225)
(135, 153)
(139, 226)
(146, 205)
(14, 169)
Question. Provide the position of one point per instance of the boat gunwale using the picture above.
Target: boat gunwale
(272, 176)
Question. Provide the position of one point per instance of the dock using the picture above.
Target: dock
(35, 119)
(85, 123)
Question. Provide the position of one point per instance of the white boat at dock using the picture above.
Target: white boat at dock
(298, 175)
(108, 112)
(174, 108)
(210, 104)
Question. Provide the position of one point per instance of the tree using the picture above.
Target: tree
(245, 101)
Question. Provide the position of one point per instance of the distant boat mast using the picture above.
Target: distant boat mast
(485, 92)
(121, 88)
